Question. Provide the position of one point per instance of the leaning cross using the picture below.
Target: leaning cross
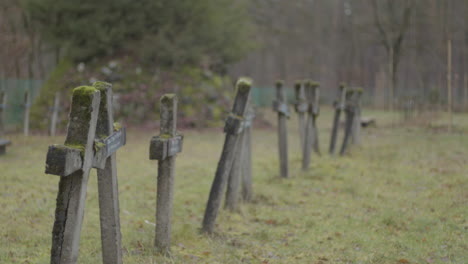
(164, 148)
(280, 105)
(232, 128)
(339, 106)
(90, 115)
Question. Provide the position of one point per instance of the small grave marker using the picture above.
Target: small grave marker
(164, 148)
(339, 107)
(349, 111)
(311, 135)
(301, 106)
(232, 128)
(280, 105)
(27, 108)
(90, 115)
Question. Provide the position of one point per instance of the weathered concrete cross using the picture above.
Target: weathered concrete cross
(90, 143)
(164, 148)
(311, 134)
(232, 128)
(280, 105)
(339, 107)
(241, 168)
(301, 108)
(350, 109)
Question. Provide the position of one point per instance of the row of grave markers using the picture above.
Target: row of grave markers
(307, 95)
(92, 141)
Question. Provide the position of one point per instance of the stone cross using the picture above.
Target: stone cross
(301, 107)
(27, 108)
(241, 158)
(164, 148)
(91, 141)
(54, 115)
(314, 110)
(233, 128)
(280, 105)
(339, 107)
(311, 135)
(356, 130)
(350, 109)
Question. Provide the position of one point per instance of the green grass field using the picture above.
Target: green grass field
(401, 197)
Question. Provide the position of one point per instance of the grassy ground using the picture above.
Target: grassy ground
(402, 197)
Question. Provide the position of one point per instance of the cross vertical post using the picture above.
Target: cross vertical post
(315, 110)
(339, 107)
(107, 183)
(308, 140)
(232, 128)
(280, 105)
(72, 188)
(27, 107)
(349, 111)
(164, 148)
(301, 107)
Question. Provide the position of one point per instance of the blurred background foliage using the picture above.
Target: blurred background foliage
(144, 48)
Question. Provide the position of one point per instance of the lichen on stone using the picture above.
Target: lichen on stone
(168, 99)
(243, 84)
(279, 83)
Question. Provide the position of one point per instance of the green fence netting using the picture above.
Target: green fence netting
(15, 91)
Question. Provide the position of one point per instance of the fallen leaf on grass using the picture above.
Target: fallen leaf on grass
(404, 261)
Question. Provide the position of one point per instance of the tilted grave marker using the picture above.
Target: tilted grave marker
(301, 106)
(3, 142)
(232, 128)
(349, 111)
(339, 107)
(311, 135)
(237, 169)
(164, 148)
(27, 108)
(247, 188)
(54, 115)
(280, 105)
(356, 130)
(90, 115)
